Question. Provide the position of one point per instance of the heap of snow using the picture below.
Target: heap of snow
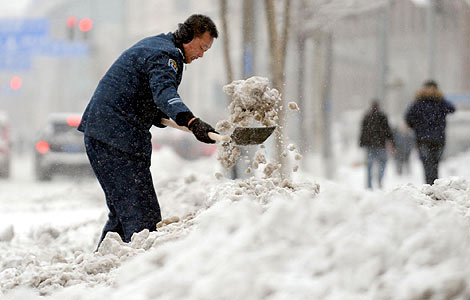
(258, 238)
(255, 240)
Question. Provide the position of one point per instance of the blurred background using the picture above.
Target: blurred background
(330, 57)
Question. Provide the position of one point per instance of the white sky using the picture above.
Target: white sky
(420, 2)
(9, 8)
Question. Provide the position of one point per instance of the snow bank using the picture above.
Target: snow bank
(258, 238)
(254, 240)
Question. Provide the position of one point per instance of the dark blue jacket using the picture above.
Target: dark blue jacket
(427, 115)
(143, 80)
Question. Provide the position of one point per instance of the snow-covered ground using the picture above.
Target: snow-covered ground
(242, 239)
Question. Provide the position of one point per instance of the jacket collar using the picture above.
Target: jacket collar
(178, 46)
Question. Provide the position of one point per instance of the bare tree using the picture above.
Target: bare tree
(226, 40)
(278, 49)
(465, 47)
(227, 59)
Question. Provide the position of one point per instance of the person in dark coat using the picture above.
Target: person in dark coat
(139, 89)
(427, 117)
(404, 143)
(375, 132)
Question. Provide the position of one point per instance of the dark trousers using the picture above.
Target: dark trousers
(376, 156)
(430, 153)
(128, 186)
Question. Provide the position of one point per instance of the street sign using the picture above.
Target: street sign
(22, 39)
(32, 26)
(15, 62)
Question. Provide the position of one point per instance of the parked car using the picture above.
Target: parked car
(5, 146)
(60, 148)
(182, 143)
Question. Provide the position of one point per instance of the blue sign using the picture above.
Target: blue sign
(15, 62)
(61, 48)
(15, 26)
(20, 39)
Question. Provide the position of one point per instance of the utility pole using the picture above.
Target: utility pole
(227, 59)
(323, 70)
(248, 39)
(318, 66)
(465, 47)
(383, 20)
(301, 41)
(301, 92)
(431, 38)
(326, 105)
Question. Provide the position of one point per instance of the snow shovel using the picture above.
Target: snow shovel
(241, 135)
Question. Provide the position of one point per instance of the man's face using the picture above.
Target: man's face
(196, 48)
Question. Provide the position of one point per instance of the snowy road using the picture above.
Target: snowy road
(28, 203)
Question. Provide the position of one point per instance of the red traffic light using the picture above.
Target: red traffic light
(42, 147)
(71, 21)
(16, 83)
(85, 24)
(74, 120)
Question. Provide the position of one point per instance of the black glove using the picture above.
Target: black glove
(157, 119)
(201, 129)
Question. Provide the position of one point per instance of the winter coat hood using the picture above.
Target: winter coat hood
(427, 115)
(429, 94)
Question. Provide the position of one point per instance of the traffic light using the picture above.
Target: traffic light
(71, 24)
(85, 26)
(15, 83)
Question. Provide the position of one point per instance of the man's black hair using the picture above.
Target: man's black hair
(195, 26)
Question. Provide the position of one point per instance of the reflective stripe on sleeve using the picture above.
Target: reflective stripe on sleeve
(174, 100)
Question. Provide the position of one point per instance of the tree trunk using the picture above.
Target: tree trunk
(248, 38)
(465, 49)
(327, 106)
(227, 60)
(303, 139)
(278, 51)
(226, 40)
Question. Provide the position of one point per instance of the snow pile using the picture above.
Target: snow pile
(49, 259)
(253, 239)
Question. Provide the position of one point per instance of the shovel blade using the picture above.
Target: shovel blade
(251, 135)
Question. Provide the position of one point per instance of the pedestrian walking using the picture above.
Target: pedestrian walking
(404, 143)
(375, 132)
(427, 117)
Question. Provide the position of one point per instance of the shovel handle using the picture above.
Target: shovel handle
(173, 124)
(212, 135)
(219, 137)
